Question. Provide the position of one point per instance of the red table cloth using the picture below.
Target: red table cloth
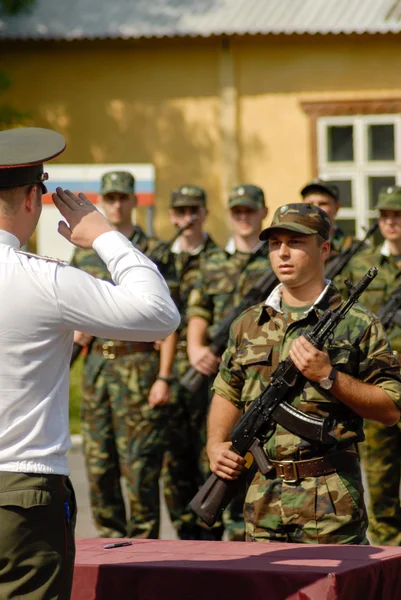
(192, 570)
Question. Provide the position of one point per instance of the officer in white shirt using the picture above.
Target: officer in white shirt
(43, 302)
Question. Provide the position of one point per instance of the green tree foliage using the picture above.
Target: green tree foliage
(9, 117)
(12, 7)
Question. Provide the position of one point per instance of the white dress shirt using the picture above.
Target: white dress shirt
(42, 303)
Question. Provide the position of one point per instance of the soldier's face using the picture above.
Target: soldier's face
(297, 259)
(325, 202)
(118, 208)
(246, 221)
(390, 225)
(181, 215)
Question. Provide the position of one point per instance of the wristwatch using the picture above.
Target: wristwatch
(168, 380)
(327, 382)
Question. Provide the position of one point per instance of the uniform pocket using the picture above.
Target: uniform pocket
(26, 499)
(256, 363)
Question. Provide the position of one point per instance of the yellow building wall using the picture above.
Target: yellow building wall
(160, 102)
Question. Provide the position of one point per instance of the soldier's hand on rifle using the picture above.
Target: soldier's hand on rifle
(82, 338)
(224, 462)
(160, 393)
(314, 364)
(203, 360)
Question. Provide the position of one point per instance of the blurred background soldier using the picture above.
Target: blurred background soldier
(182, 475)
(325, 195)
(124, 412)
(224, 280)
(381, 451)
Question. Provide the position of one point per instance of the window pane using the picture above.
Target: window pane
(347, 225)
(340, 143)
(381, 142)
(374, 186)
(345, 191)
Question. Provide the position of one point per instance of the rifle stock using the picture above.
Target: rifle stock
(254, 427)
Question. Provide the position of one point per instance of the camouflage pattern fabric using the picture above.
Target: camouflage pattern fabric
(122, 435)
(222, 284)
(325, 509)
(183, 471)
(339, 241)
(381, 451)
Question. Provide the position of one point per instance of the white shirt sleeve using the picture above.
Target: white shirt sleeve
(137, 308)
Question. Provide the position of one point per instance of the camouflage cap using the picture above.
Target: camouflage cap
(389, 198)
(321, 187)
(301, 218)
(117, 181)
(188, 195)
(246, 195)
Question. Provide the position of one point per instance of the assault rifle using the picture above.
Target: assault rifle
(257, 425)
(390, 312)
(160, 256)
(192, 380)
(338, 264)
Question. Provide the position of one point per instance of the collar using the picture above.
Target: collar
(176, 247)
(385, 250)
(274, 299)
(9, 239)
(231, 247)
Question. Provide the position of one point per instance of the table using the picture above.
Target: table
(196, 570)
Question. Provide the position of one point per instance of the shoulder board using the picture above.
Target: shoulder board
(46, 258)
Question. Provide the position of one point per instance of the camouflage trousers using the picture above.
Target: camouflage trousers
(328, 509)
(185, 467)
(125, 438)
(381, 455)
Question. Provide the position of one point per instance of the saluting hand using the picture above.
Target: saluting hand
(314, 364)
(85, 222)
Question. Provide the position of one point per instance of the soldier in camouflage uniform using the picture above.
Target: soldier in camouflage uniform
(381, 451)
(326, 196)
(182, 473)
(314, 492)
(224, 280)
(123, 412)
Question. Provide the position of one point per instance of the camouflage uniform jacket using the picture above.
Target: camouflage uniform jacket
(381, 288)
(261, 337)
(89, 261)
(187, 269)
(223, 282)
(340, 241)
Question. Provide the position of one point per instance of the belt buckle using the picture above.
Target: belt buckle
(281, 471)
(106, 351)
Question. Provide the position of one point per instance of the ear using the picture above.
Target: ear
(338, 206)
(325, 250)
(31, 199)
(134, 200)
(265, 211)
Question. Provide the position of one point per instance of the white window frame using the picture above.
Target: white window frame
(360, 169)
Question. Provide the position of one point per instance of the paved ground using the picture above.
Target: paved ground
(85, 527)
